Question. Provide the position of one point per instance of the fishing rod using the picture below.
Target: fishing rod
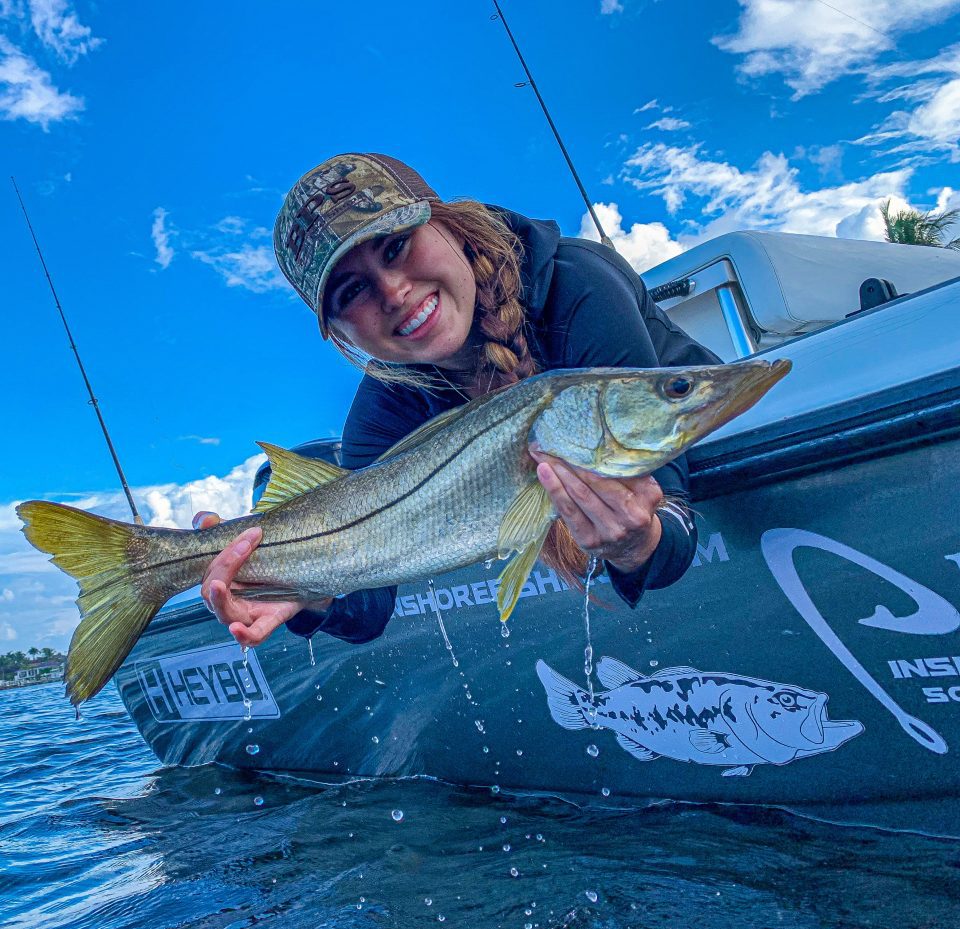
(93, 400)
(604, 238)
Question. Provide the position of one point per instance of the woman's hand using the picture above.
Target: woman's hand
(251, 622)
(610, 518)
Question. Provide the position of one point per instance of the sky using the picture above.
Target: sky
(153, 147)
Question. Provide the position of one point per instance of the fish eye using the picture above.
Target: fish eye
(786, 700)
(675, 388)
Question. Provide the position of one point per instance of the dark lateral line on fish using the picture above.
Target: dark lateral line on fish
(319, 535)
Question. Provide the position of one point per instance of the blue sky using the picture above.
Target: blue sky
(153, 146)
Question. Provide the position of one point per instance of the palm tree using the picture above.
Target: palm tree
(912, 227)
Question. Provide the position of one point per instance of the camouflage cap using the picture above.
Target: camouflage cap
(339, 204)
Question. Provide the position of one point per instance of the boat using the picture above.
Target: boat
(809, 659)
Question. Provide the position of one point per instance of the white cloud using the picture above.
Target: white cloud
(610, 6)
(161, 238)
(766, 196)
(7, 632)
(202, 440)
(44, 595)
(947, 199)
(813, 43)
(57, 26)
(644, 245)
(251, 267)
(27, 91)
(231, 225)
(649, 105)
(669, 124)
(933, 122)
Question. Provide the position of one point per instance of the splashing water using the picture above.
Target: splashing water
(443, 631)
(504, 629)
(313, 661)
(588, 651)
(247, 705)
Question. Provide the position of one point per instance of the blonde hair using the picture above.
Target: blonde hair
(493, 252)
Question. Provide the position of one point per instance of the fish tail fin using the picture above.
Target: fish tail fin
(100, 555)
(565, 699)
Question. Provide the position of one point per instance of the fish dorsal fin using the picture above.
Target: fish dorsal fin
(523, 530)
(613, 673)
(677, 672)
(432, 426)
(292, 474)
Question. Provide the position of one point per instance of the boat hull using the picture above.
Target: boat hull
(828, 567)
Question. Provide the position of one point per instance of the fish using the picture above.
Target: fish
(459, 490)
(701, 717)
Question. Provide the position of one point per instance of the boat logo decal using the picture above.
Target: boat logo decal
(710, 718)
(207, 684)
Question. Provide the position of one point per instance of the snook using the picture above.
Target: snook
(459, 490)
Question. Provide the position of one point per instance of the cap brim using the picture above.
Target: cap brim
(398, 219)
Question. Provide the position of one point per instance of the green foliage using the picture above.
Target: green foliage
(912, 227)
(17, 661)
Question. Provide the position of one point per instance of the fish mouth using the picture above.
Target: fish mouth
(812, 727)
(754, 385)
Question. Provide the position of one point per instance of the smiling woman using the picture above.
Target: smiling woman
(445, 302)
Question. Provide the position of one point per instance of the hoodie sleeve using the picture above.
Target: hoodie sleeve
(603, 316)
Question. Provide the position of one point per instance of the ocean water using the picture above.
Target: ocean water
(95, 833)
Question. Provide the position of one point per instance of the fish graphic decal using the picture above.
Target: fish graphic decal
(701, 717)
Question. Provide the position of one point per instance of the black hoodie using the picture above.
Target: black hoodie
(585, 307)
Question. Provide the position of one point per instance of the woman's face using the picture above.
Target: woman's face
(407, 297)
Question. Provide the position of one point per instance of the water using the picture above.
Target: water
(94, 835)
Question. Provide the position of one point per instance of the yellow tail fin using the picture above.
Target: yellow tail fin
(98, 554)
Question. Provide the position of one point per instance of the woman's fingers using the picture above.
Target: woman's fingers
(215, 588)
(260, 629)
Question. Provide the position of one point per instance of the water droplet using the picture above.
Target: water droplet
(605, 791)
(375, 740)
(488, 564)
(528, 912)
(397, 815)
(363, 900)
(258, 801)
(217, 791)
(253, 749)
(593, 751)
(428, 901)
(539, 836)
(479, 724)
(486, 750)
(514, 872)
(591, 895)
(503, 820)
(495, 789)
(440, 917)
(504, 630)
(519, 752)
(506, 847)
(313, 661)
(249, 728)
(528, 926)
(319, 696)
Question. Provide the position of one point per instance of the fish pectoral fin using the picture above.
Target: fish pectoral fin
(709, 741)
(523, 530)
(515, 574)
(613, 673)
(292, 474)
(640, 752)
(269, 594)
(524, 521)
(741, 771)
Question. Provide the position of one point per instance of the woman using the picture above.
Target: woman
(443, 302)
